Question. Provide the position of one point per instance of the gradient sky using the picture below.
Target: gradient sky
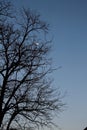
(68, 26)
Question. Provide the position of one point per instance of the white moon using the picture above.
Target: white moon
(37, 43)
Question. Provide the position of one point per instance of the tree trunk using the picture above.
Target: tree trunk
(1, 118)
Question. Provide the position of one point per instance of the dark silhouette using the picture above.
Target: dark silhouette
(27, 98)
(85, 128)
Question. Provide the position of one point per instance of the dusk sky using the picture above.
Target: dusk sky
(68, 27)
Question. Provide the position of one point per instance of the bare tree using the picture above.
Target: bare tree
(27, 97)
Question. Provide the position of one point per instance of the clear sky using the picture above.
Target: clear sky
(68, 24)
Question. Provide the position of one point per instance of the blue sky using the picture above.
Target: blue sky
(68, 26)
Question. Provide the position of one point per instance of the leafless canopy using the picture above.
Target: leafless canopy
(27, 98)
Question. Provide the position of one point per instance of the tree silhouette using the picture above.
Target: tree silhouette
(85, 128)
(27, 97)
